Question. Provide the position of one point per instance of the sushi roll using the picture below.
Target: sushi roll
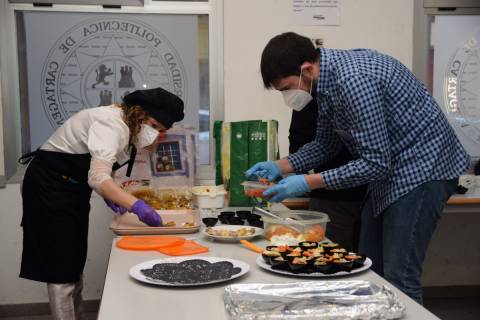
(279, 263)
(273, 248)
(310, 262)
(322, 266)
(343, 264)
(268, 255)
(327, 246)
(294, 254)
(317, 253)
(294, 248)
(318, 249)
(305, 245)
(334, 256)
(298, 264)
(358, 259)
(341, 252)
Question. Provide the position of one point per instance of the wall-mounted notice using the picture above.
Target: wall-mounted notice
(316, 12)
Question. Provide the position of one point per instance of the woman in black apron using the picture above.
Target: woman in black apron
(59, 180)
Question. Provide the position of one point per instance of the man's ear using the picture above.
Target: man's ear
(307, 69)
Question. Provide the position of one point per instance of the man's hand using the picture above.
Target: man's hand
(292, 186)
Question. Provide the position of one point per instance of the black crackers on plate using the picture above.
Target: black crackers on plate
(191, 271)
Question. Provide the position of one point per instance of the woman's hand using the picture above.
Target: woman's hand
(146, 214)
(115, 207)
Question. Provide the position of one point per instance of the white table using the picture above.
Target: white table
(125, 298)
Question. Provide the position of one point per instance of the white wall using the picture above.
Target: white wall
(384, 25)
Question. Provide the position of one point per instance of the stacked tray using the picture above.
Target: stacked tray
(175, 221)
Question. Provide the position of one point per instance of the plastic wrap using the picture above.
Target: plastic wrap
(355, 299)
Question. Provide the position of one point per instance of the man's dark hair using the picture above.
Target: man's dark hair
(283, 55)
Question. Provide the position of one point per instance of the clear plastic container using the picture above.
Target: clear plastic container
(254, 189)
(209, 197)
(164, 199)
(296, 226)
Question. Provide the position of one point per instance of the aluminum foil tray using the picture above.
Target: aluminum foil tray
(355, 299)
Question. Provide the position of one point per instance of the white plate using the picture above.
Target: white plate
(258, 232)
(135, 271)
(262, 264)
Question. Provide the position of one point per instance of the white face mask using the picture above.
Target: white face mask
(146, 137)
(297, 99)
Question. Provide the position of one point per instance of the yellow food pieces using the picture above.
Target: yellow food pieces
(164, 199)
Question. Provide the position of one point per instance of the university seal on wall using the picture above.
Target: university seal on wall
(461, 89)
(100, 60)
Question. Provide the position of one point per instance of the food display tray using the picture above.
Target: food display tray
(128, 223)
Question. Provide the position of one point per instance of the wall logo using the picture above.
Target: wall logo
(100, 60)
(461, 90)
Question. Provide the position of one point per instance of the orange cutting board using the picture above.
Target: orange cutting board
(187, 248)
(149, 242)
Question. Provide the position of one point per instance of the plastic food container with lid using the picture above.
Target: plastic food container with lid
(163, 199)
(296, 226)
(209, 197)
(254, 189)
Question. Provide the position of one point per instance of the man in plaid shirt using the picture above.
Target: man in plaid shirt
(401, 141)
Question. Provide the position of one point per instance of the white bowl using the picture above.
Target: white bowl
(209, 197)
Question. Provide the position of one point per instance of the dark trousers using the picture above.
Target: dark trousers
(398, 238)
(344, 225)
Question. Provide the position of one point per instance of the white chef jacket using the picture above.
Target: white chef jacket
(99, 131)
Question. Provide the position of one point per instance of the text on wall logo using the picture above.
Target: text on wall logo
(102, 59)
(462, 87)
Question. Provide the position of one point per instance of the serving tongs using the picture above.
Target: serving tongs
(288, 220)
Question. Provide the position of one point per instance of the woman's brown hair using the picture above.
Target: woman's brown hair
(133, 116)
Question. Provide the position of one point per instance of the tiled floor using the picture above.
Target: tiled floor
(445, 309)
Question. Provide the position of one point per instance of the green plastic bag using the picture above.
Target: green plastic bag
(240, 145)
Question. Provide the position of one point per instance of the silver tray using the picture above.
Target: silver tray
(355, 299)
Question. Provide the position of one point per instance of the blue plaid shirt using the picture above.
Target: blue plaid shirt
(393, 127)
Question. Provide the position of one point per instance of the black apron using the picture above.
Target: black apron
(56, 205)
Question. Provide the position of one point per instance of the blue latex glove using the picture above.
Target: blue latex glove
(266, 169)
(146, 214)
(115, 207)
(291, 186)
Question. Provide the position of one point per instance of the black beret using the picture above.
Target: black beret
(163, 106)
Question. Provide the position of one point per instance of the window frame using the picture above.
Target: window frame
(9, 71)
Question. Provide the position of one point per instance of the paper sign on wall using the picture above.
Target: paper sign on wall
(316, 12)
